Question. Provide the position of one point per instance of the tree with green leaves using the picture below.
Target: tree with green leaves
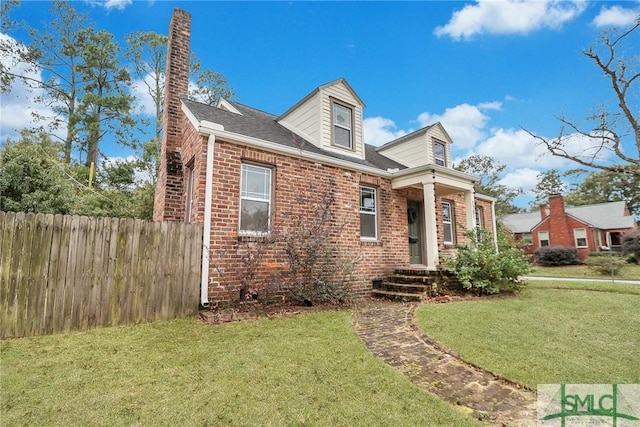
(31, 177)
(615, 55)
(489, 171)
(607, 186)
(50, 64)
(549, 182)
(105, 104)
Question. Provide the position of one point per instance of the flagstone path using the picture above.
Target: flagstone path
(389, 331)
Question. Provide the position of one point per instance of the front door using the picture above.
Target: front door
(415, 232)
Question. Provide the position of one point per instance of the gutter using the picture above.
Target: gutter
(206, 227)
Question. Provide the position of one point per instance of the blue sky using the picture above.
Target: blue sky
(483, 68)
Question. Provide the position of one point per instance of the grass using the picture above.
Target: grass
(303, 370)
(546, 335)
(630, 271)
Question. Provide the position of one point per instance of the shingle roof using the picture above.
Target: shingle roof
(521, 222)
(605, 216)
(261, 125)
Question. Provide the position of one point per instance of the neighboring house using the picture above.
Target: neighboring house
(240, 171)
(589, 228)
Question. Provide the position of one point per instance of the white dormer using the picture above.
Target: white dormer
(429, 145)
(330, 117)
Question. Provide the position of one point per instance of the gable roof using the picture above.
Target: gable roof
(259, 124)
(605, 216)
(322, 87)
(413, 134)
(521, 222)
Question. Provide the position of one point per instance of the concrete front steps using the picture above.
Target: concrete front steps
(410, 284)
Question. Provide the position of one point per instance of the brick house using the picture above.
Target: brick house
(588, 228)
(240, 171)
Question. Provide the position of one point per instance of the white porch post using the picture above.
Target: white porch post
(471, 210)
(430, 221)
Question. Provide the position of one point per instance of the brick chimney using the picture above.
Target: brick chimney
(168, 204)
(561, 233)
(543, 211)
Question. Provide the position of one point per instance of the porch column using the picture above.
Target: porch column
(470, 204)
(430, 224)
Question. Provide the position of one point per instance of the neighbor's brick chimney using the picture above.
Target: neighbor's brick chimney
(543, 211)
(168, 205)
(561, 233)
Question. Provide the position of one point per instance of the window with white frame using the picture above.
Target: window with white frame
(189, 198)
(580, 235)
(368, 213)
(439, 153)
(479, 217)
(527, 239)
(342, 126)
(255, 199)
(543, 238)
(447, 222)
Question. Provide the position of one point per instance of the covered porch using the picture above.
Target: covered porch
(439, 201)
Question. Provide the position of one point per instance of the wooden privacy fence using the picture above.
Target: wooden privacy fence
(60, 273)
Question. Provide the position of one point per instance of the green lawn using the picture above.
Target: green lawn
(302, 370)
(630, 271)
(546, 335)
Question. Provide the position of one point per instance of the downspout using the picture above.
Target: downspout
(206, 232)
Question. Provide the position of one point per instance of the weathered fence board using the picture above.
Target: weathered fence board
(60, 273)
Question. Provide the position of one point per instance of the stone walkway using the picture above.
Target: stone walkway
(388, 330)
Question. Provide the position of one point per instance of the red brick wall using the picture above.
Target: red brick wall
(169, 203)
(561, 229)
(291, 178)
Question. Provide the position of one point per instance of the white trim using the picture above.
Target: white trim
(226, 105)
(206, 226)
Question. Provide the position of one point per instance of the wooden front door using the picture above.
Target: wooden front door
(415, 231)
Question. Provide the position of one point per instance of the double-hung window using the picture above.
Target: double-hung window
(439, 154)
(479, 217)
(543, 238)
(255, 199)
(342, 126)
(447, 222)
(368, 213)
(580, 235)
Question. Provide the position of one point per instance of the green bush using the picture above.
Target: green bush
(605, 265)
(480, 266)
(551, 256)
(631, 245)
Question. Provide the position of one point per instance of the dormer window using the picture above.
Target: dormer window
(342, 126)
(439, 154)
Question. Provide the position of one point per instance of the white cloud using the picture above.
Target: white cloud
(509, 17)
(465, 123)
(111, 4)
(379, 130)
(143, 103)
(18, 105)
(524, 178)
(616, 16)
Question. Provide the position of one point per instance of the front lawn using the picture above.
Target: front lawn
(546, 335)
(302, 370)
(630, 271)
